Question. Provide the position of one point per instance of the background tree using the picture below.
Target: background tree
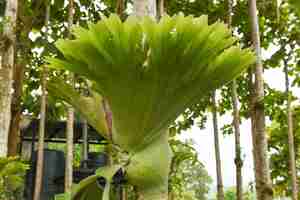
(42, 121)
(262, 175)
(230, 194)
(70, 115)
(217, 148)
(291, 143)
(188, 175)
(279, 147)
(30, 16)
(8, 51)
(236, 122)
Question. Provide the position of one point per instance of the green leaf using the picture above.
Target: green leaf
(107, 172)
(90, 107)
(64, 196)
(151, 72)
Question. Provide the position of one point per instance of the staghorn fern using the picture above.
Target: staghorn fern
(296, 4)
(149, 73)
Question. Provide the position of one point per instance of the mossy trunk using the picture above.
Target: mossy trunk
(149, 169)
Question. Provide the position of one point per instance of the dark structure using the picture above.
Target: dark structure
(53, 175)
(54, 160)
(55, 132)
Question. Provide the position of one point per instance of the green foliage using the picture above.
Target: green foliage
(230, 194)
(188, 177)
(150, 73)
(194, 115)
(142, 54)
(296, 5)
(12, 172)
(2, 8)
(215, 9)
(278, 146)
(90, 107)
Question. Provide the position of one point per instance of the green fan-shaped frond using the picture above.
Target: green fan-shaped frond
(151, 71)
(296, 4)
(90, 107)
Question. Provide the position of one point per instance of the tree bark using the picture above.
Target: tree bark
(120, 8)
(6, 72)
(18, 76)
(220, 195)
(254, 152)
(238, 159)
(263, 183)
(236, 124)
(14, 131)
(70, 120)
(42, 122)
(161, 8)
(85, 142)
(25, 23)
(292, 160)
(143, 8)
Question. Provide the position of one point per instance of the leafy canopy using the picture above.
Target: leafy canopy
(151, 72)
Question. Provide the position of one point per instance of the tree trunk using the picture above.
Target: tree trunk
(69, 150)
(254, 152)
(161, 8)
(145, 8)
(6, 72)
(70, 121)
(238, 159)
(220, 194)
(291, 143)
(120, 8)
(236, 124)
(25, 23)
(42, 122)
(263, 182)
(85, 142)
(14, 131)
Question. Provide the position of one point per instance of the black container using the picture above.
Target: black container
(53, 175)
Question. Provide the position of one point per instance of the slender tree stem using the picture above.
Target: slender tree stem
(85, 141)
(161, 8)
(42, 122)
(236, 124)
(263, 181)
(238, 159)
(120, 8)
(70, 120)
(217, 148)
(145, 7)
(291, 143)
